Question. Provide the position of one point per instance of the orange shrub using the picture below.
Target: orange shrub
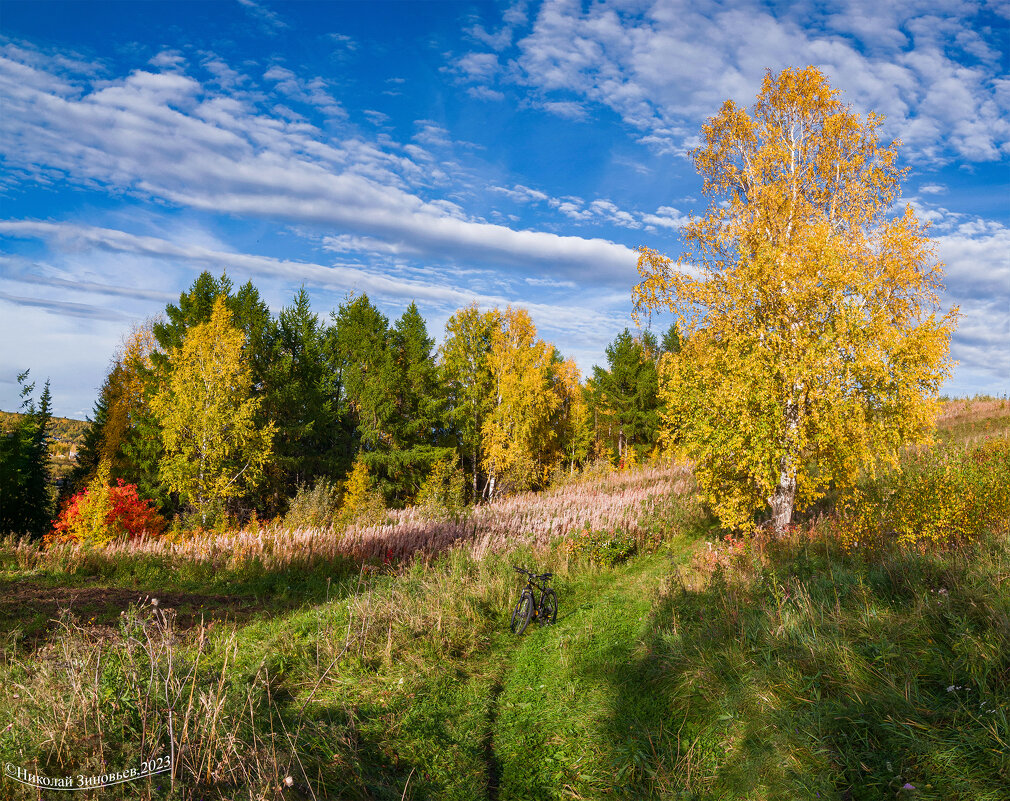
(101, 514)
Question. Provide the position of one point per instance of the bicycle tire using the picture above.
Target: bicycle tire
(549, 607)
(522, 612)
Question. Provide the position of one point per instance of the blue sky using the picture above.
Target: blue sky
(444, 152)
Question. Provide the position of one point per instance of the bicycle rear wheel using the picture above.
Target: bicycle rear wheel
(522, 612)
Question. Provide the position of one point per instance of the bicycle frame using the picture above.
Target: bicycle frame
(532, 585)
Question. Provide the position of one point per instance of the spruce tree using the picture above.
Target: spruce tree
(301, 397)
(626, 394)
(26, 489)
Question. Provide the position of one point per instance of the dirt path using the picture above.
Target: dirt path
(33, 607)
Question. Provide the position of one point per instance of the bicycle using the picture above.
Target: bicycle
(544, 609)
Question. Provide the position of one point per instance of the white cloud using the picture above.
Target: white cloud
(478, 66)
(568, 109)
(349, 243)
(270, 21)
(520, 193)
(313, 92)
(376, 117)
(62, 308)
(581, 322)
(665, 65)
(70, 237)
(343, 41)
(977, 256)
(168, 59)
(666, 217)
(485, 93)
(221, 155)
(75, 373)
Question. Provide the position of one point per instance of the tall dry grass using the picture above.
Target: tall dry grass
(93, 702)
(618, 501)
(973, 420)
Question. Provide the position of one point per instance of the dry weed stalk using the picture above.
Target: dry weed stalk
(90, 704)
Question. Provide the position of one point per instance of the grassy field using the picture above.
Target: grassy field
(274, 664)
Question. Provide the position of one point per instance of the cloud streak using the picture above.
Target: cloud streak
(574, 319)
(167, 136)
(64, 308)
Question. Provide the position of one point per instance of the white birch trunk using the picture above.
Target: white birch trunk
(784, 498)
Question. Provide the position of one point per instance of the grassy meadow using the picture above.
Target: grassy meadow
(847, 660)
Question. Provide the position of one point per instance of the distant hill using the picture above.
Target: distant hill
(66, 438)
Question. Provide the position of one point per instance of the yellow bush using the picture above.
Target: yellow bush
(944, 498)
(362, 503)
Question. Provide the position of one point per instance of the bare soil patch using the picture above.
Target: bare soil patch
(33, 607)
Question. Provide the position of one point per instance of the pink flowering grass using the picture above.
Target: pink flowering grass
(620, 501)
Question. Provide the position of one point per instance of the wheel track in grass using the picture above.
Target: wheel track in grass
(554, 711)
(491, 763)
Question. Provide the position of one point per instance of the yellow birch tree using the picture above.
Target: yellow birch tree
(810, 307)
(514, 433)
(213, 450)
(573, 431)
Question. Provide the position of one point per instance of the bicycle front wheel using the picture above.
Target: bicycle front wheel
(549, 607)
(521, 615)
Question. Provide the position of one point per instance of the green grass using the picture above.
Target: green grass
(773, 670)
(695, 669)
(427, 692)
(799, 669)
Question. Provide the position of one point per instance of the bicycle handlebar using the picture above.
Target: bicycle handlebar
(541, 576)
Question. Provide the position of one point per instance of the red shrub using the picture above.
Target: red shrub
(127, 516)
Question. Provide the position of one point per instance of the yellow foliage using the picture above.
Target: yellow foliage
(124, 390)
(443, 492)
(812, 341)
(213, 448)
(91, 527)
(949, 498)
(362, 502)
(520, 445)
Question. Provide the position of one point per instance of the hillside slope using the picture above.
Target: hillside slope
(698, 668)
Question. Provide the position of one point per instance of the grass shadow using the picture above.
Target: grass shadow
(803, 670)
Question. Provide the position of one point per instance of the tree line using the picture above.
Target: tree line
(813, 351)
(220, 408)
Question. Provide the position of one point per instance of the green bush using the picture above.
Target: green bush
(602, 547)
(315, 507)
(443, 493)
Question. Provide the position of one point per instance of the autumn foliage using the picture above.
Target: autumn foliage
(214, 449)
(813, 344)
(101, 514)
(941, 497)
